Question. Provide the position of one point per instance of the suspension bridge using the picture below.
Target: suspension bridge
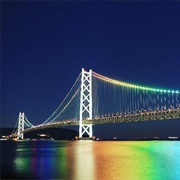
(97, 99)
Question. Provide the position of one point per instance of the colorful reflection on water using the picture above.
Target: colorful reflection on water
(138, 160)
(131, 160)
(41, 159)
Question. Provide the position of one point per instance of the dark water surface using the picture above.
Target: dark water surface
(91, 160)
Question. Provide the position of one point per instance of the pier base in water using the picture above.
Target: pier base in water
(85, 138)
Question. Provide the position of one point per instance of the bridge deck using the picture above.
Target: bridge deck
(145, 116)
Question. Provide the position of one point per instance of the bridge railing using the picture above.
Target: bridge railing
(142, 116)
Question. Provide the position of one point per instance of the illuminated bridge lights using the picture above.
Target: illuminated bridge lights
(113, 81)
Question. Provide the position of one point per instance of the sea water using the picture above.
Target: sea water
(90, 160)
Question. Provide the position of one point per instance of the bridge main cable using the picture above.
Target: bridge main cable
(48, 119)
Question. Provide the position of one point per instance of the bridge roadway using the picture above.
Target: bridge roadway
(145, 116)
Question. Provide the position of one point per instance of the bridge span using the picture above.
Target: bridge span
(113, 118)
(97, 99)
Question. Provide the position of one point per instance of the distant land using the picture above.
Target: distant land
(55, 133)
(69, 134)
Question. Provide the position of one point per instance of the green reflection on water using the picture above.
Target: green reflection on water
(21, 161)
(41, 160)
(22, 164)
(157, 160)
(62, 162)
(147, 164)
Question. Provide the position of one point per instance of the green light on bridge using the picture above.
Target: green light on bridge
(120, 83)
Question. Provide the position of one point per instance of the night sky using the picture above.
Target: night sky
(44, 45)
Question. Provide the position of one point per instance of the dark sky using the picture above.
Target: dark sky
(44, 45)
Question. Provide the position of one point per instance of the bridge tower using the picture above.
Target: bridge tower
(20, 126)
(85, 103)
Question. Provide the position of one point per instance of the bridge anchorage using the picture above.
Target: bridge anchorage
(96, 99)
